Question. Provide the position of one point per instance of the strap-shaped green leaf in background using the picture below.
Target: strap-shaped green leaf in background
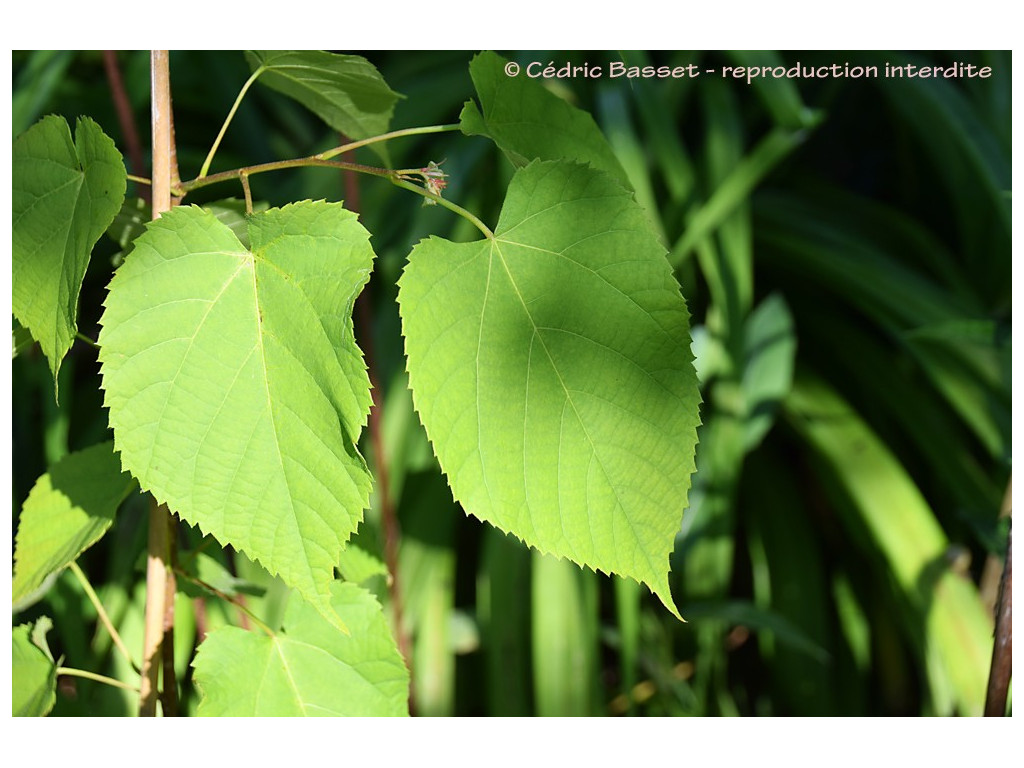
(551, 368)
(68, 510)
(346, 92)
(235, 387)
(309, 668)
(769, 350)
(528, 122)
(64, 197)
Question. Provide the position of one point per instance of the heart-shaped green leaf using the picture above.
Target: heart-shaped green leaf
(346, 92)
(309, 668)
(235, 387)
(529, 122)
(65, 194)
(551, 367)
(68, 510)
(33, 673)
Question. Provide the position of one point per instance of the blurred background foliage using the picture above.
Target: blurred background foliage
(844, 248)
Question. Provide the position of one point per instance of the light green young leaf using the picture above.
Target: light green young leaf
(528, 122)
(33, 673)
(235, 387)
(309, 668)
(68, 510)
(346, 92)
(551, 367)
(65, 194)
(357, 565)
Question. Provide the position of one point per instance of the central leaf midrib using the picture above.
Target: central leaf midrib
(291, 681)
(606, 281)
(479, 415)
(77, 181)
(188, 351)
(273, 420)
(579, 418)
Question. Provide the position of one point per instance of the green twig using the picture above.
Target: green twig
(71, 672)
(321, 159)
(278, 165)
(386, 137)
(139, 179)
(104, 619)
(227, 121)
(395, 177)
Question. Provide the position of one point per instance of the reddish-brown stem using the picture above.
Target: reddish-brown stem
(126, 118)
(199, 609)
(992, 574)
(1002, 650)
(243, 617)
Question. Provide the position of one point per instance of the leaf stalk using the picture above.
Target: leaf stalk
(72, 672)
(101, 612)
(458, 209)
(226, 598)
(227, 121)
(82, 337)
(339, 150)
